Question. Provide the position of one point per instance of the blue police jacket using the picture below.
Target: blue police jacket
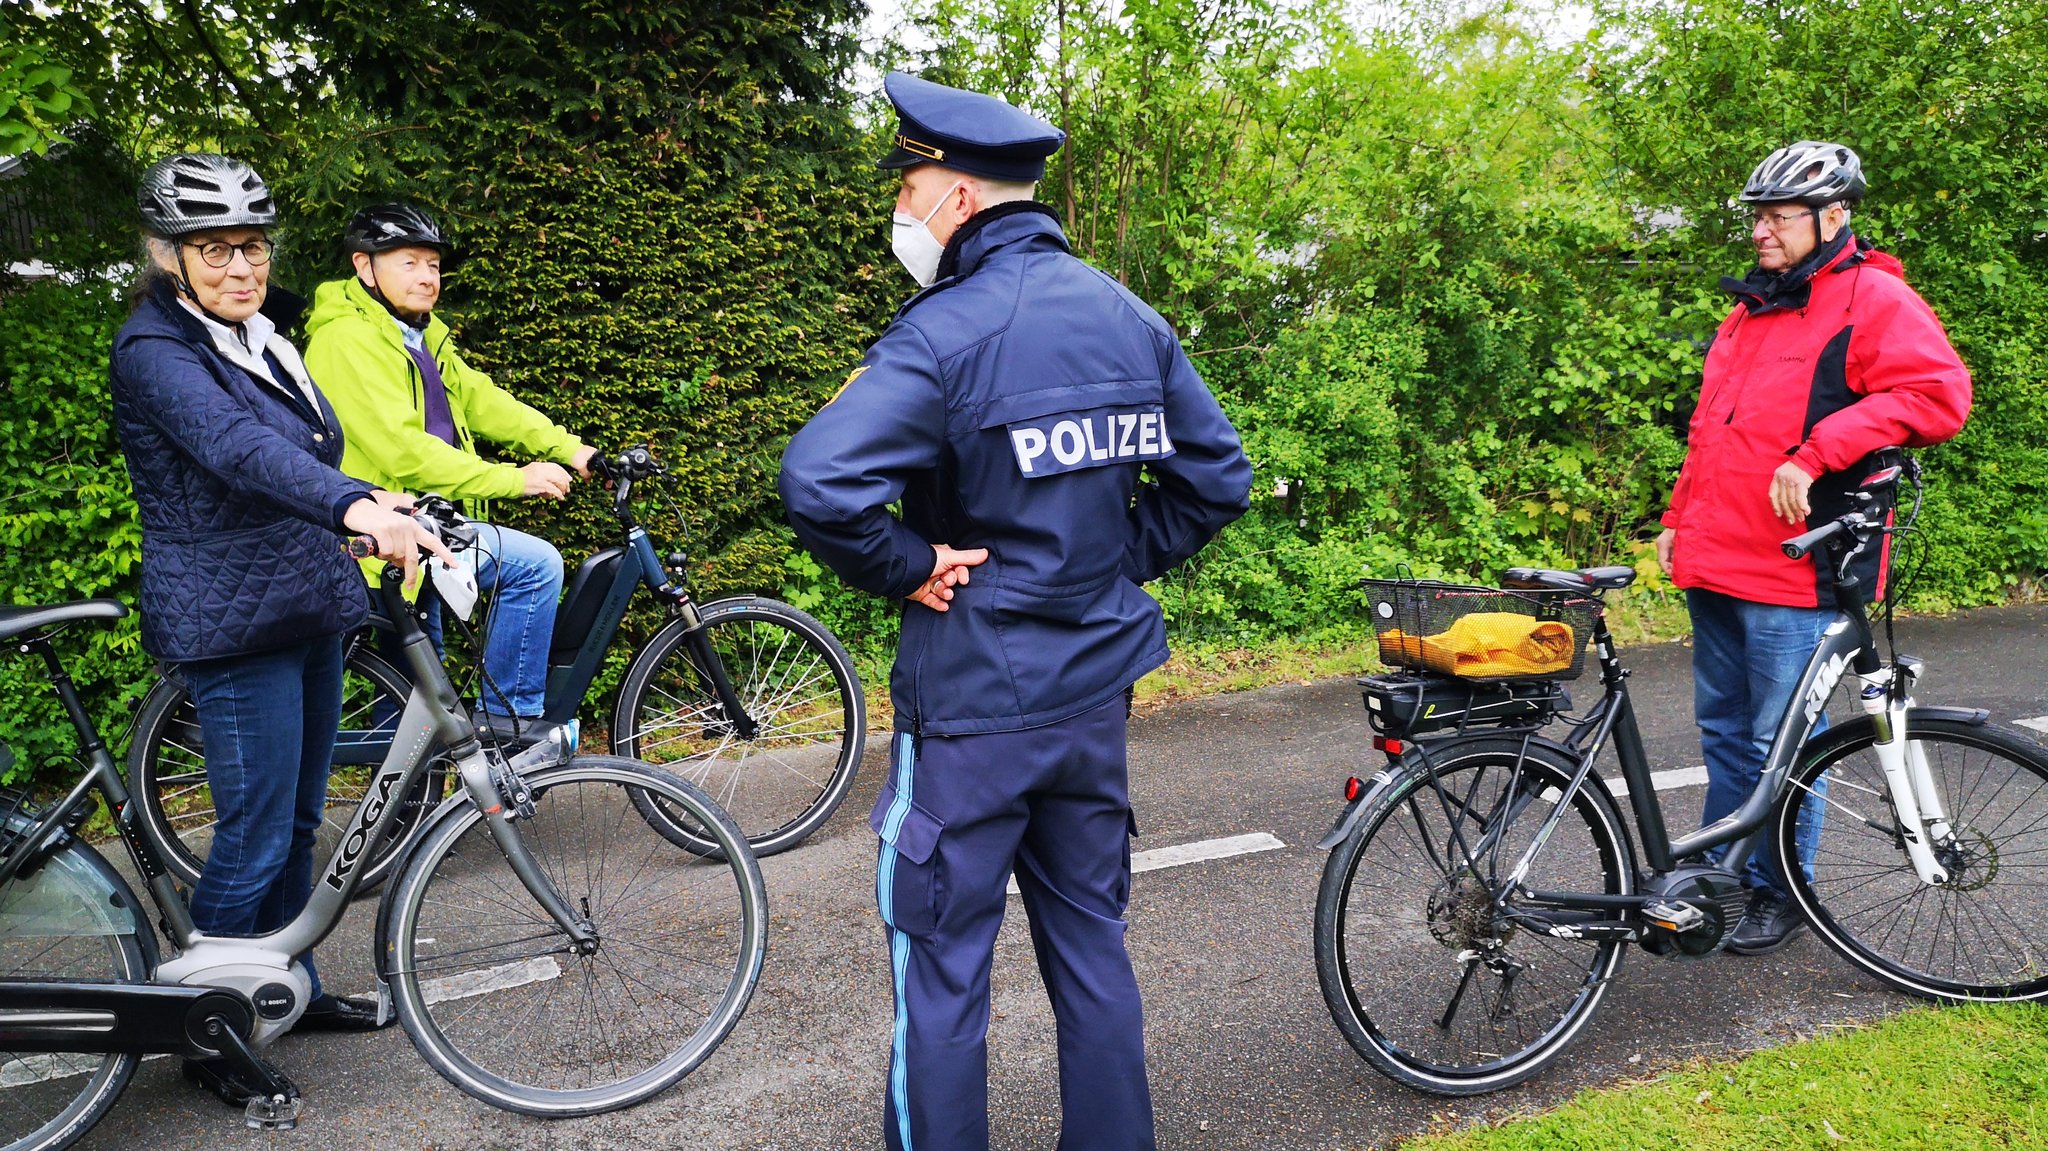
(1015, 405)
(237, 489)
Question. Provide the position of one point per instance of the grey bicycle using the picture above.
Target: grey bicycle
(547, 951)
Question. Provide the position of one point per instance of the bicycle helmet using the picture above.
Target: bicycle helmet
(382, 227)
(194, 191)
(1811, 172)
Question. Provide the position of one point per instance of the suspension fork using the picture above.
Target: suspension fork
(1915, 801)
(697, 641)
(484, 790)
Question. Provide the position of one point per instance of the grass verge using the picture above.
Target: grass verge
(1967, 1079)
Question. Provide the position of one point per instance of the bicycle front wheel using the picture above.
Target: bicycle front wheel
(1980, 934)
(167, 771)
(798, 687)
(498, 999)
(1428, 979)
(74, 919)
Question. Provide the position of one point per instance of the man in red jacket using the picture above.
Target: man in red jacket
(1827, 359)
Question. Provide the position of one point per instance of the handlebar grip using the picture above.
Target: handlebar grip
(360, 547)
(1799, 546)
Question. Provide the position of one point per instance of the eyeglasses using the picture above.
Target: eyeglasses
(219, 254)
(1776, 221)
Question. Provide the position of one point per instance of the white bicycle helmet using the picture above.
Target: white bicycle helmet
(1810, 172)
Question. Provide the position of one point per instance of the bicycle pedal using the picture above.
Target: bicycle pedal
(275, 1113)
(1678, 917)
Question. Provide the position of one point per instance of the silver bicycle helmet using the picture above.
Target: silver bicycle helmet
(1810, 172)
(194, 191)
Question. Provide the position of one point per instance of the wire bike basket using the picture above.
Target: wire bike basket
(1485, 634)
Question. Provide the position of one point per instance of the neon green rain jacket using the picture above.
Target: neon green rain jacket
(357, 357)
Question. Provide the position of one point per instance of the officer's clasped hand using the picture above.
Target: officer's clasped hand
(950, 566)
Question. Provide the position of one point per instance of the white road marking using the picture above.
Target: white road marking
(1200, 851)
(2038, 723)
(1664, 780)
(485, 980)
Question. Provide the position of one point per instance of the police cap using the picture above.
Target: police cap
(966, 131)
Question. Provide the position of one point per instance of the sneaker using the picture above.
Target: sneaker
(1770, 923)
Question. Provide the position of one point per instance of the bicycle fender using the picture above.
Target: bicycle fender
(1859, 726)
(1348, 818)
(442, 813)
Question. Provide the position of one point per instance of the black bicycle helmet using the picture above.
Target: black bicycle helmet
(1811, 172)
(382, 227)
(194, 191)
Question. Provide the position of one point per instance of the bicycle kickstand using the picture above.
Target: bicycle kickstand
(276, 1107)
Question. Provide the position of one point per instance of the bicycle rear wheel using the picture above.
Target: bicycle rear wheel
(797, 684)
(1426, 980)
(495, 996)
(1981, 935)
(73, 919)
(167, 771)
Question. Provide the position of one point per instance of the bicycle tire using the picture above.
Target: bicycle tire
(796, 681)
(1395, 907)
(34, 946)
(484, 980)
(167, 771)
(1979, 936)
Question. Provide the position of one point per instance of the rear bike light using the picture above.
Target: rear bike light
(1388, 744)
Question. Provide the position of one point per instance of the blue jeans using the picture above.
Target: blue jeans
(1747, 660)
(523, 573)
(268, 723)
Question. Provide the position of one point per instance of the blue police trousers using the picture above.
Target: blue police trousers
(957, 816)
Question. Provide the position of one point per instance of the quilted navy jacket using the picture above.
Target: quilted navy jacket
(239, 496)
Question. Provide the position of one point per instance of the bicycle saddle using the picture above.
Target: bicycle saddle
(1582, 580)
(16, 621)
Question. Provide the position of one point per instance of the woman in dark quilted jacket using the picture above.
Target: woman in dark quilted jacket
(245, 583)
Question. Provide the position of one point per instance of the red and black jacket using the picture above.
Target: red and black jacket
(1825, 370)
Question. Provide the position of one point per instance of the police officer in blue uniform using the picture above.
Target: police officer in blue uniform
(1053, 450)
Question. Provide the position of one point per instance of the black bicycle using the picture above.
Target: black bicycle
(546, 950)
(750, 699)
(1483, 885)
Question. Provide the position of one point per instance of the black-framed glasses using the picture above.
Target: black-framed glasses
(219, 253)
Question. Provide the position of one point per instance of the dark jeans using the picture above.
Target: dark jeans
(268, 721)
(1747, 660)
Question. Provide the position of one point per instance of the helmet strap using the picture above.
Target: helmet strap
(185, 287)
(417, 323)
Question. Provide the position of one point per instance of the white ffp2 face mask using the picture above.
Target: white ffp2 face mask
(915, 246)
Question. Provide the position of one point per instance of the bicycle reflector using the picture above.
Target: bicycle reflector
(1388, 744)
(1351, 789)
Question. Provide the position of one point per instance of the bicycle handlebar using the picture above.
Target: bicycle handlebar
(1800, 546)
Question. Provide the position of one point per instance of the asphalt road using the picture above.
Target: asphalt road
(1242, 1052)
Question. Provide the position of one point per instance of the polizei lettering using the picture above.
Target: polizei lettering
(1067, 442)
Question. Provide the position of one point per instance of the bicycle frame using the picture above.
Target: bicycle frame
(433, 720)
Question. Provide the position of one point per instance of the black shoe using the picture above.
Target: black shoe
(511, 734)
(223, 1079)
(1770, 923)
(334, 1013)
